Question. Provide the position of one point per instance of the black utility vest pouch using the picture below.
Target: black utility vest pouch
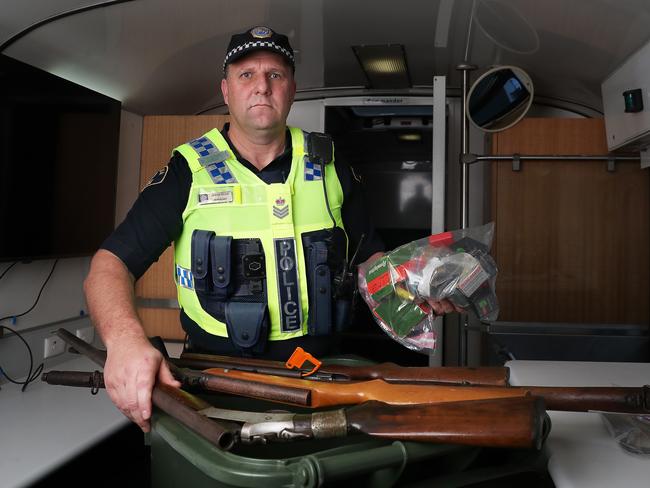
(248, 326)
(324, 257)
(229, 281)
(320, 290)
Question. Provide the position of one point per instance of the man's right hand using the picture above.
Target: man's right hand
(133, 366)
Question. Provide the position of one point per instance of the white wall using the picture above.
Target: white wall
(309, 115)
(128, 170)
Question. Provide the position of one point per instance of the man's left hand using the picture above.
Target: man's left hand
(441, 307)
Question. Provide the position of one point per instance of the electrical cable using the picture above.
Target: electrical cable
(33, 374)
(30, 376)
(52, 18)
(7, 269)
(37, 298)
(327, 202)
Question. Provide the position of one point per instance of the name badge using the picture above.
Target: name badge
(215, 197)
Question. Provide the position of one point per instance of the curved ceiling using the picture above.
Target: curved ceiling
(164, 56)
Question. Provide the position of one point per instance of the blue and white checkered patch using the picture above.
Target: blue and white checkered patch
(213, 160)
(184, 277)
(313, 171)
(203, 146)
(220, 173)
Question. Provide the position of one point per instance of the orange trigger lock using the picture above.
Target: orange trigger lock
(299, 357)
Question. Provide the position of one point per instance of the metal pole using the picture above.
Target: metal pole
(464, 190)
(553, 157)
(464, 199)
(439, 155)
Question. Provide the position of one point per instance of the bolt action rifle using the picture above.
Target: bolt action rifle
(389, 372)
(310, 393)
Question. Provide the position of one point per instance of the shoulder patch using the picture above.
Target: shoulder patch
(157, 178)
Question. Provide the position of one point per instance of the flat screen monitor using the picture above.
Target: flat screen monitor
(58, 164)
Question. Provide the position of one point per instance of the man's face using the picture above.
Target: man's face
(259, 91)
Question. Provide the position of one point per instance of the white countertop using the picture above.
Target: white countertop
(48, 425)
(582, 453)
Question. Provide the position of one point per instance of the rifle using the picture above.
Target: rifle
(389, 372)
(321, 394)
(177, 403)
(511, 422)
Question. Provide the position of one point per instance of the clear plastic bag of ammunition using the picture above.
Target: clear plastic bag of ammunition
(400, 286)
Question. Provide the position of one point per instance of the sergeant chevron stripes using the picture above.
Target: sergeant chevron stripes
(281, 212)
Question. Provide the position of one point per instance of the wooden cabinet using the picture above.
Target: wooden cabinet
(160, 135)
(572, 238)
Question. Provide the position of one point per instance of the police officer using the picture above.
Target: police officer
(263, 218)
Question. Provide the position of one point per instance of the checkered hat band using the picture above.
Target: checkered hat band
(250, 45)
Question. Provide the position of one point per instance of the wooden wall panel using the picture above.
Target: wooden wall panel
(160, 135)
(572, 240)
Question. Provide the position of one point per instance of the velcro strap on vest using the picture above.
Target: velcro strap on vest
(201, 259)
(220, 260)
(320, 305)
(247, 325)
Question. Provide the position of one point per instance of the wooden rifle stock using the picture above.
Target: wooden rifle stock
(392, 373)
(509, 422)
(172, 401)
(603, 398)
(576, 399)
(505, 422)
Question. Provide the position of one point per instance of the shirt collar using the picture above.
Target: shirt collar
(282, 158)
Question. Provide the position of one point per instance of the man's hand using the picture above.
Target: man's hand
(441, 307)
(133, 365)
(132, 368)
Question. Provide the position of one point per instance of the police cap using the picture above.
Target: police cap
(258, 39)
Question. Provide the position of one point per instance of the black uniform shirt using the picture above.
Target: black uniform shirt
(155, 220)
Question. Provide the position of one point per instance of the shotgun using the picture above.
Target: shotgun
(389, 372)
(510, 422)
(181, 405)
(323, 394)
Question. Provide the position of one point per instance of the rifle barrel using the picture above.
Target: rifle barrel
(244, 387)
(167, 399)
(83, 379)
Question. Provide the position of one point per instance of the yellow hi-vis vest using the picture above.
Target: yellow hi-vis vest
(230, 200)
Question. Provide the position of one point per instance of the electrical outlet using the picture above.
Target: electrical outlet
(87, 334)
(53, 346)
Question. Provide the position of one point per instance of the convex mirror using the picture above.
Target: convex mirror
(499, 98)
